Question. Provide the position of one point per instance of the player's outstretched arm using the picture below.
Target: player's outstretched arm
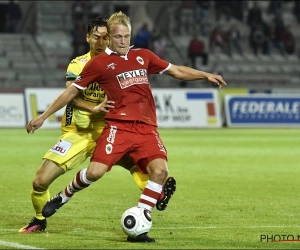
(190, 74)
(64, 98)
(102, 107)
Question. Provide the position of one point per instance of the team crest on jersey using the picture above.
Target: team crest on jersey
(83, 60)
(78, 78)
(108, 148)
(140, 60)
(111, 66)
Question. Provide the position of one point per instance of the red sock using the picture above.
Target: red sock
(150, 195)
(77, 184)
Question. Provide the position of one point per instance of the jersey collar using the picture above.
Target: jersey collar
(109, 52)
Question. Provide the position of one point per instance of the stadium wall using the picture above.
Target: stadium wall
(175, 108)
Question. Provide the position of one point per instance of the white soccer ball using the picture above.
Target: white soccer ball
(136, 221)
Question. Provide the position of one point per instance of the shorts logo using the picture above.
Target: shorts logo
(133, 77)
(159, 143)
(62, 147)
(112, 134)
(108, 148)
(140, 60)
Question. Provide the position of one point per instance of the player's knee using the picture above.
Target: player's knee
(95, 173)
(159, 174)
(39, 185)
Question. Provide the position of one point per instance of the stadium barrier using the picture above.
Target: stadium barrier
(175, 108)
(262, 110)
(12, 110)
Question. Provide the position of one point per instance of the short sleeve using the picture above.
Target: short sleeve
(156, 64)
(90, 73)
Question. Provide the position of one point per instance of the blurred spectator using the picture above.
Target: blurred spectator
(233, 38)
(13, 17)
(237, 9)
(78, 10)
(143, 37)
(197, 49)
(276, 29)
(275, 7)
(288, 40)
(296, 10)
(80, 45)
(221, 9)
(202, 12)
(259, 38)
(217, 39)
(96, 9)
(187, 13)
(159, 46)
(254, 15)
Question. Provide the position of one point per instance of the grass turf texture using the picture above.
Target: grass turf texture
(233, 185)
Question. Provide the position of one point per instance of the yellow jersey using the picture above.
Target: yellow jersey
(75, 120)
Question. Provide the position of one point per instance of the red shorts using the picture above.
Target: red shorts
(140, 140)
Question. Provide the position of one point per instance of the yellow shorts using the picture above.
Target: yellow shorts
(72, 149)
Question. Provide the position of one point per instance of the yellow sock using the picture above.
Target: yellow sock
(38, 201)
(139, 178)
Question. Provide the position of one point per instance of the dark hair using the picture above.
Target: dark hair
(98, 21)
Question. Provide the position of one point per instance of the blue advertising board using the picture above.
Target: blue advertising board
(262, 110)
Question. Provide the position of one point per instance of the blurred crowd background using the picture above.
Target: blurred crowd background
(251, 43)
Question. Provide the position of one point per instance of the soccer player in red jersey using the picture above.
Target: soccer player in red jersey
(131, 126)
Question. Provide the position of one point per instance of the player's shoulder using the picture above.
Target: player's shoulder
(81, 59)
(141, 51)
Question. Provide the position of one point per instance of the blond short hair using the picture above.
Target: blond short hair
(118, 18)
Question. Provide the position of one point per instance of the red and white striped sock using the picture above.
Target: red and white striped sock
(77, 184)
(150, 195)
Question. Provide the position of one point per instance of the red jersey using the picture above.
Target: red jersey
(125, 81)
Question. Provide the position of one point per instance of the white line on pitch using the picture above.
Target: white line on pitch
(196, 227)
(16, 245)
(217, 227)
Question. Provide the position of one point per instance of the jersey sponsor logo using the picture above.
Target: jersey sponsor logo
(108, 148)
(62, 147)
(94, 92)
(140, 60)
(112, 134)
(69, 115)
(111, 66)
(133, 77)
(159, 143)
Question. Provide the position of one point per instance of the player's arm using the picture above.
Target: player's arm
(190, 74)
(78, 103)
(63, 99)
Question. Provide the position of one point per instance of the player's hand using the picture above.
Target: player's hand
(217, 79)
(104, 106)
(34, 125)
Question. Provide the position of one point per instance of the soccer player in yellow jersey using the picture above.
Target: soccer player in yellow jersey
(82, 123)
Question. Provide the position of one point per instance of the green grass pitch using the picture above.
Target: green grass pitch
(235, 186)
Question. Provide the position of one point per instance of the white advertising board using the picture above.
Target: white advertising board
(38, 100)
(12, 110)
(175, 108)
(187, 108)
